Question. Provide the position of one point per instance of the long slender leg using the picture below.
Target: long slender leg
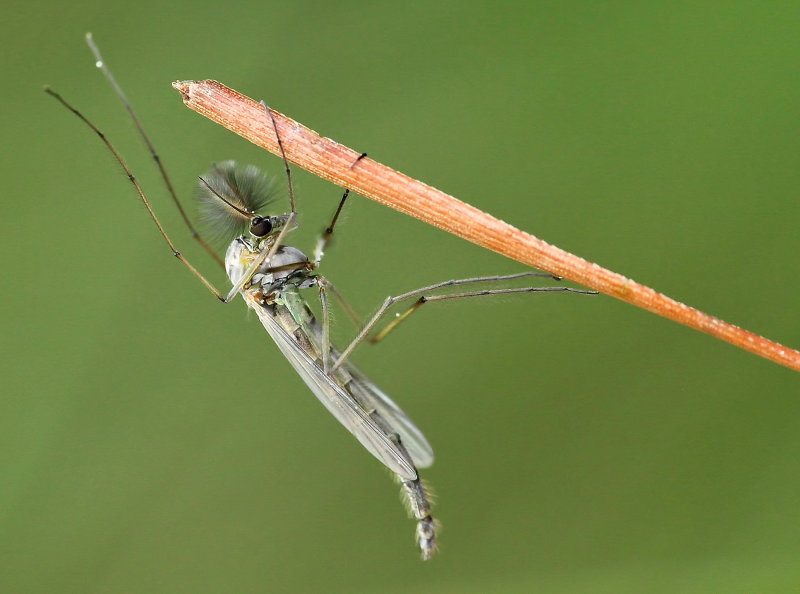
(324, 239)
(343, 302)
(428, 298)
(292, 205)
(324, 286)
(422, 299)
(101, 64)
(322, 242)
(331, 288)
(326, 328)
(141, 194)
(266, 255)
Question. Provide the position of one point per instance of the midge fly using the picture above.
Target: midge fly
(271, 276)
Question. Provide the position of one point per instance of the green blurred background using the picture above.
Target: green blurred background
(152, 440)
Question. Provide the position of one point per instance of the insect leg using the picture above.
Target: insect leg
(287, 169)
(266, 255)
(101, 64)
(141, 194)
(422, 298)
(325, 238)
(342, 301)
(326, 328)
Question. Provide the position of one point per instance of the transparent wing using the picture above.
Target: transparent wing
(340, 404)
(411, 437)
(371, 397)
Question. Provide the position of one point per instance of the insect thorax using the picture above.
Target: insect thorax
(287, 263)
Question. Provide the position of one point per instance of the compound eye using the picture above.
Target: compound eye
(260, 226)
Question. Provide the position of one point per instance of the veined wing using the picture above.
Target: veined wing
(411, 437)
(371, 397)
(340, 404)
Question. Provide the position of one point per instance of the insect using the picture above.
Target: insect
(272, 277)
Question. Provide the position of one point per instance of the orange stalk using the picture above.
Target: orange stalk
(330, 160)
